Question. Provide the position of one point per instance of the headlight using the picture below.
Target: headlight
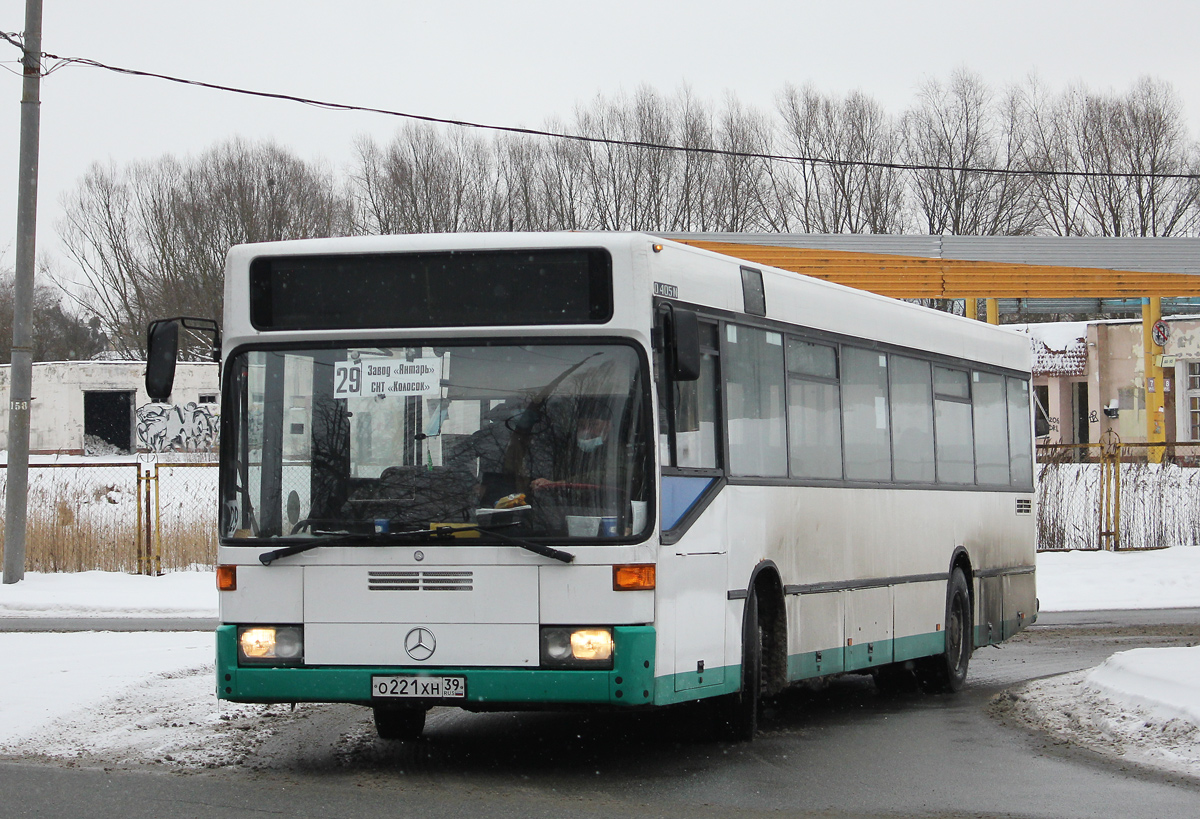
(577, 647)
(270, 645)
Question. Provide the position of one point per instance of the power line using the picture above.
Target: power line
(594, 140)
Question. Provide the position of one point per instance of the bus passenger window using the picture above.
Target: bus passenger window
(814, 411)
(912, 420)
(991, 429)
(865, 415)
(755, 386)
(952, 419)
(1020, 441)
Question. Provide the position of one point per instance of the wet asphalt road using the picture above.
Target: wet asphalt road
(846, 751)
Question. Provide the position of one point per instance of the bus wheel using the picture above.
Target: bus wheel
(399, 723)
(739, 712)
(948, 671)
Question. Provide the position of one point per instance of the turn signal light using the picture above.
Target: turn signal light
(633, 577)
(227, 578)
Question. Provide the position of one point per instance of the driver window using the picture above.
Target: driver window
(696, 409)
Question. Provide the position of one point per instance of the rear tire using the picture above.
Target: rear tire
(739, 712)
(399, 723)
(947, 672)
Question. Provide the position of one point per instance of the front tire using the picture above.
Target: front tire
(947, 672)
(739, 712)
(399, 723)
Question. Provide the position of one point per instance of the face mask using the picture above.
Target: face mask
(590, 444)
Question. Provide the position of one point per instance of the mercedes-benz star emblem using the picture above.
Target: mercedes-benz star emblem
(420, 644)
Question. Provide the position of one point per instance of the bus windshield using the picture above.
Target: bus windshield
(533, 440)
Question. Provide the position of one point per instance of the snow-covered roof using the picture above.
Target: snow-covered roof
(1059, 347)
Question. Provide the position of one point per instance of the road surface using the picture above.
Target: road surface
(845, 751)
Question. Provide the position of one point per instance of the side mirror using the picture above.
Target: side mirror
(162, 348)
(681, 330)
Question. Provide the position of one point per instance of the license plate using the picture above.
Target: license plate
(419, 687)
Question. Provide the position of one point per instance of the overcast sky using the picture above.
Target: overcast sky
(520, 62)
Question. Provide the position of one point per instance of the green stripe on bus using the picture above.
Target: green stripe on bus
(1000, 631)
(918, 645)
(630, 682)
(691, 685)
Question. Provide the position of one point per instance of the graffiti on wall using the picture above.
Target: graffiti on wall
(189, 427)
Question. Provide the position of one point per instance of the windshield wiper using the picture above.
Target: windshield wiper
(439, 532)
(345, 539)
(537, 548)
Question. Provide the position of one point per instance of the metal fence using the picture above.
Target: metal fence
(129, 515)
(1114, 496)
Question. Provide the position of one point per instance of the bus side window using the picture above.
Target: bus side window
(755, 379)
(991, 429)
(865, 415)
(1020, 443)
(912, 420)
(696, 409)
(952, 422)
(814, 410)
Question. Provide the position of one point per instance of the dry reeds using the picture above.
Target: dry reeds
(1160, 506)
(85, 517)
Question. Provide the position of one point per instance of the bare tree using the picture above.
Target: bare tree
(1051, 124)
(953, 131)
(742, 192)
(425, 181)
(1142, 134)
(1126, 142)
(841, 194)
(519, 161)
(563, 180)
(59, 333)
(151, 239)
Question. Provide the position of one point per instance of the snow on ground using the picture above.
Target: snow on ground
(1082, 581)
(135, 698)
(111, 594)
(128, 698)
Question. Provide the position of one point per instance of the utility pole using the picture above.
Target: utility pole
(20, 382)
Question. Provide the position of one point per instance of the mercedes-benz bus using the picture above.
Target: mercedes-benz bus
(604, 470)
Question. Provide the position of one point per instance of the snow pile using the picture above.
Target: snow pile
(94, 445)
(111, 594)
(1159, 680)
(1141, 705)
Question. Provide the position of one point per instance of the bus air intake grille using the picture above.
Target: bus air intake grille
(420, 581)
(1024, 506)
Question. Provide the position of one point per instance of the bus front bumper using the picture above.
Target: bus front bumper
(630, 682)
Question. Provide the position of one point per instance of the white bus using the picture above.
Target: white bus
(596, 469)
